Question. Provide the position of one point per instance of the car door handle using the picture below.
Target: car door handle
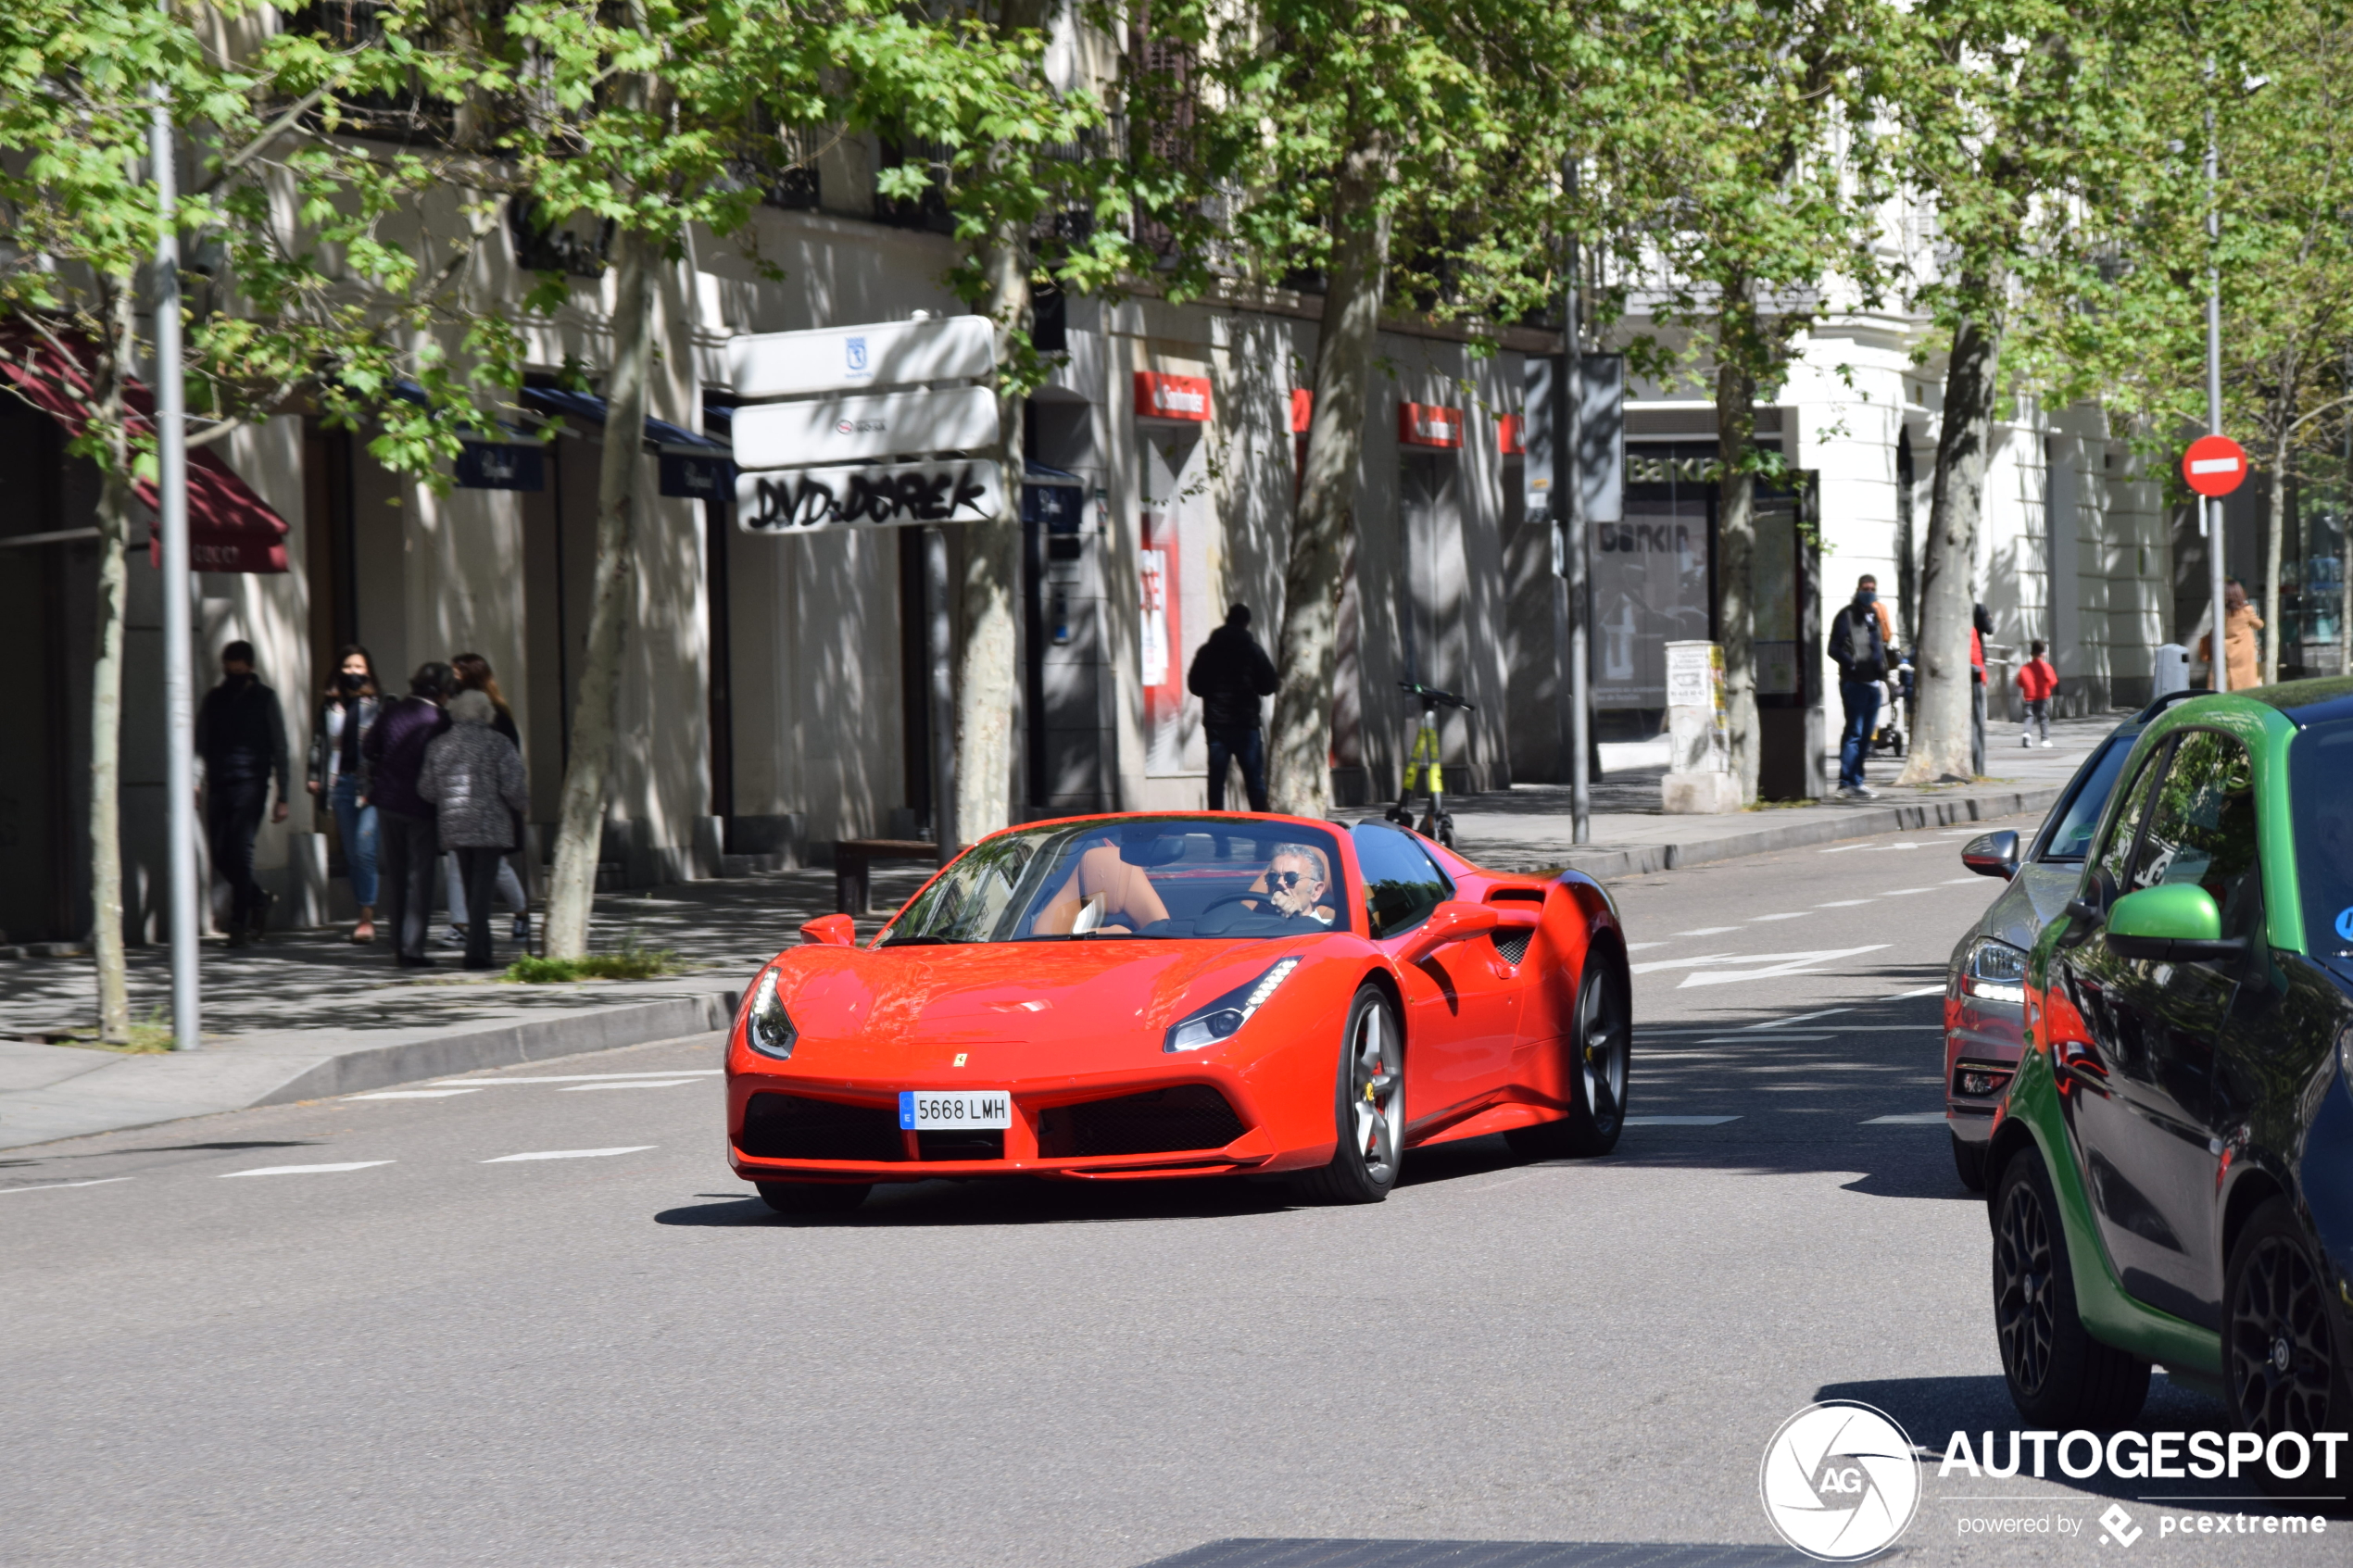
(2080, 1063)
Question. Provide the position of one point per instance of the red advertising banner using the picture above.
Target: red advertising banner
(1421, 424)
(1161, 396)
(1511, 435)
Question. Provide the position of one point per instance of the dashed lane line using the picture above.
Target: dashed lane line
(570, 1154)
(655, 1084)
(411, 1094)
(304, 1170)
(1910, 1119)
(52, 1186)
(1678, 1120)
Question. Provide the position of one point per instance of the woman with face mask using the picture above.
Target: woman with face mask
(337, 776)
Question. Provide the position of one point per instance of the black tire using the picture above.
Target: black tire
(2058, 1375)
(1968, 1158)
(1368, 1107)
(1600, 1066)
(814, 1197)
(2282, 1368)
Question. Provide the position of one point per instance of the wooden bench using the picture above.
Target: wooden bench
(853, 891)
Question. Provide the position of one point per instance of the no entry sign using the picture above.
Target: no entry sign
(2215, 465)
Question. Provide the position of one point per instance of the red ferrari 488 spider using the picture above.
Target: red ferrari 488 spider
(1157, 996)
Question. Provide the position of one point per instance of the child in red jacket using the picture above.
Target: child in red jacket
(2036, 681)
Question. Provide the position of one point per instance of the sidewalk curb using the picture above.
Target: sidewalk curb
(508, 1045)
(1600, 862)
(119, 1093)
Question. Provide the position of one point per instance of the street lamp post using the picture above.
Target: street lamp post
(172, 497)
(1568, 512)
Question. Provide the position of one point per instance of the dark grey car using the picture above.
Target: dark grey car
(1984, 981)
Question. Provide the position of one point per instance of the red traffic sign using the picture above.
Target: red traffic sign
(2215, 465)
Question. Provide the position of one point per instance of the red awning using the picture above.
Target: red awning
(230, 528)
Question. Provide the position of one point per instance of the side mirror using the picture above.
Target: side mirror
(1453, 920)
(1992, 854)
(2175, 921)
(831, 931)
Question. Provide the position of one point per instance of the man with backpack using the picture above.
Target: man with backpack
(1860, 647)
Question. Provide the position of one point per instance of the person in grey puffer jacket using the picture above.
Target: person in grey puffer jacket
(473, 776)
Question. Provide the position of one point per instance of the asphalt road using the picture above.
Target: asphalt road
(429, 1339)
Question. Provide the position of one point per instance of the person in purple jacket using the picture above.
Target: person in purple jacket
(394, 753)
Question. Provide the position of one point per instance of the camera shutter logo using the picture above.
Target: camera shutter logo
(1840, 1481)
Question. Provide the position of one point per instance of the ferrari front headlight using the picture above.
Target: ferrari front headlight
(1220, 1019)
(1994, 970)
(768, 1029)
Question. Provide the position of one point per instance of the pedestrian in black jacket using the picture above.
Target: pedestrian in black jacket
(394, 753)
(1230, 674)
(241, 735)
(1861, 652)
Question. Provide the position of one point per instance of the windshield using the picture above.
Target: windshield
(2071, 835)
(1136, 879)
(2319, 763)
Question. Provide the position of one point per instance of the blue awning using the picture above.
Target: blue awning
(587, 405)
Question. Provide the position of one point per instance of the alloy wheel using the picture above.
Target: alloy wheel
(2024, 1269)
(1377, 1092)
(2281, 1362)
(1604, 1041)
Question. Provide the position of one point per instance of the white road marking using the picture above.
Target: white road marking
(1800, 914)
(1708, 931)
(1965, 880)
(1899, 892)
(303, 1170)
(1751, 1039)
(411, 1094)
(1774, 964)
(1800, 1018)
(592, 1077)
(1913, 1119)
(570, 1154)
(1925, 990)
(52, 1186)
(1638, 946)
(1850, 903)
(641, 1083)
(1678, 1120)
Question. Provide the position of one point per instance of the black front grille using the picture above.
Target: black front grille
(965, 1143)
(1158, 1121)
(795, 1127)
(1513, 945)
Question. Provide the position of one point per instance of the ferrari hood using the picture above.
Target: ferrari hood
(1011, 993)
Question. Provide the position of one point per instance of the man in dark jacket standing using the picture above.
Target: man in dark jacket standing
(241, 734)
(475, 779)
(1230, 674)
(395, 752)
(1861, 653)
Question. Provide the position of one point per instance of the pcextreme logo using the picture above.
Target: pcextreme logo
(1840, 1481)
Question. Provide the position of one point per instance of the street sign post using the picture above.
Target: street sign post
(2214, 466)
(841, 430)
(858, 359)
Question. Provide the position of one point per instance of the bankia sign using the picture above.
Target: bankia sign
(884, 496)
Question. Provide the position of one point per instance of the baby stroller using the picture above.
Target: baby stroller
(1892, 738)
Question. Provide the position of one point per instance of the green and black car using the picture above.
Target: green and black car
(2171, 1177)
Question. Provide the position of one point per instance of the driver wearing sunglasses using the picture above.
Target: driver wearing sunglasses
(1295, 883)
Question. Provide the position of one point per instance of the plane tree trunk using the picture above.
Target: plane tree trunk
(1941, 729)
(1299, 742)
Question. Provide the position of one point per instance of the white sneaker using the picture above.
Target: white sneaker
(453, 937)
(2026, 740)
(2046, 745)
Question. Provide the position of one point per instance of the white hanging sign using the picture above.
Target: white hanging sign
(878, 354)
(840, 430)
(884, 496)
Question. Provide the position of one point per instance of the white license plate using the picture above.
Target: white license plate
(921, 1109)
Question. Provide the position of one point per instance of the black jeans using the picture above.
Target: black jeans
(407, 849)
(479, 870)
(1246, 745)
(232, 815)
